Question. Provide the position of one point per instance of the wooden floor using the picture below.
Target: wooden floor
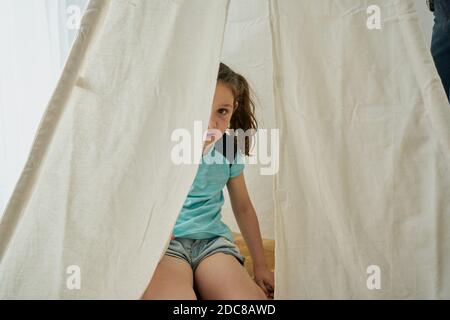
(269, 251)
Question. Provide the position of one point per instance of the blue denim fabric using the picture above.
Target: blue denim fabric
(440, 44)
(194, 251)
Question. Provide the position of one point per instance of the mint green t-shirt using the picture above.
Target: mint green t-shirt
(200, 216)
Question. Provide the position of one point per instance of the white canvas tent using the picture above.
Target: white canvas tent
(364, 158)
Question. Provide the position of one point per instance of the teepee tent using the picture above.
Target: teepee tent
(363, 179)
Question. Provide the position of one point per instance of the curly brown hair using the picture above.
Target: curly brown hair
(244, 108)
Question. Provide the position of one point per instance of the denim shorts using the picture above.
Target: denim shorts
(195, 250)
(440, 43)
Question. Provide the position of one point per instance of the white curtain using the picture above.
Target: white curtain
(113, 76)
(364, 180)
(35, 39)
(426, 19)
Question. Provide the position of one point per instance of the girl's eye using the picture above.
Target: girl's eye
(221, 111)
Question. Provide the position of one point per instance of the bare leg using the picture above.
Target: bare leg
(221, 277)
(172, 280)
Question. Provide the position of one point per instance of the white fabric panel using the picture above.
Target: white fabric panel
(365, 148)
(99, 190)
(364, 176)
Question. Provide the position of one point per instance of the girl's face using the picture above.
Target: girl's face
(222, 108)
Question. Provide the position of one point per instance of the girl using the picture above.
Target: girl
(202, 260)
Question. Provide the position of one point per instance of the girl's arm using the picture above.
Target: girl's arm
(248, 224)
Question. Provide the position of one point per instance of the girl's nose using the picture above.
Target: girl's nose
(213, 125)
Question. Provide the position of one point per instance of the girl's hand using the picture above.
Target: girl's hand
(265, 279)
(172, 237)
